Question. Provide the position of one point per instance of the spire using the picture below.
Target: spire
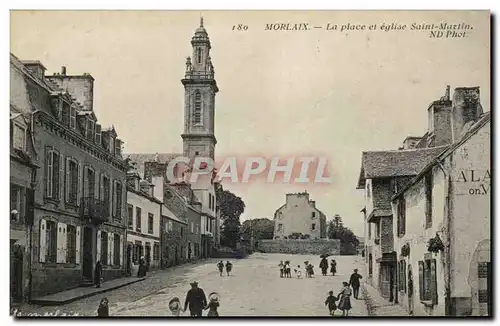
(201, 20)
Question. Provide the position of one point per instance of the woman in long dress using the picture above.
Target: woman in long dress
(333, 267)
(345, 299)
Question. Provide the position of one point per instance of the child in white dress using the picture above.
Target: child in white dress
(298, 272)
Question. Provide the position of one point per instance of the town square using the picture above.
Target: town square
(182, 164)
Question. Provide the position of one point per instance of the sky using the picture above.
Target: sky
(322, 92)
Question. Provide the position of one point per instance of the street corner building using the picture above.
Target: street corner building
(428, 213)
(67, 183)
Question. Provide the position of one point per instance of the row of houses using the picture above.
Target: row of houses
(77, 199)
(427, 212)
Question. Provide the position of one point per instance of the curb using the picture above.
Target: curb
(61, 302)
(370, 305)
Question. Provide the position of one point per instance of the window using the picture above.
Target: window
(401, 221)
(18, 137)
(280, 227)
(116, 250)
(370, 265)
(206, 223)
(198, 55)
(111, 145)
(98, 134)
(197, 108)
(130, 213)
(402, 275)
(428, 200)
(428, 281)
(156, 251)
(138, 219)
(71, 244)
(17, 202)
(66, 113)
(313, 214)
(90, 129)
(182, 231)
(118, 147)
(71, 181)
(106, 193)
(369, 230)
(51, 241)
(52, 170)
(377, 231)
(72, 118)
(117, 200)
(89, 183)
(313, 226)
(104, 248)
(150, 223)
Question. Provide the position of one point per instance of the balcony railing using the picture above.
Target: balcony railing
(95, 209)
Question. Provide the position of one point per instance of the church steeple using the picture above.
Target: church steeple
(200, 89)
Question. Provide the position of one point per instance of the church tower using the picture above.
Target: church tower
(199, 99)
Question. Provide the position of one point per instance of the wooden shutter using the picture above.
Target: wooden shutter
(421, 280)
(114, 201)
(433, 285)
(68, 178)
(77, 246)
(48, 184)
(110, 249)
(101, 187)
(121, 249)
(86, 182)
(61, 177)
(64, 243)
(42, 250)
(96, 184)
(79, 186)
(59, 243)
(98, 246)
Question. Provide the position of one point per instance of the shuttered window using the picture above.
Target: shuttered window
(197, 108)
(53, 166)
(104, 248)
(427, 276)
(71, 244)
(116, 250)
(51, 242)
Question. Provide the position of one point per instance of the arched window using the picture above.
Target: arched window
(198, 55)
(197, 108)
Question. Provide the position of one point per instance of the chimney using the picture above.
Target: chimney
(440, 120)
(466, 108)
(63, 70)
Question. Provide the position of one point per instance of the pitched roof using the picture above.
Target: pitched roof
(141, 158)
(395, 163)
(467, 132)
(170, 215)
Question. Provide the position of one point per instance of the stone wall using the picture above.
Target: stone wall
(289, 246)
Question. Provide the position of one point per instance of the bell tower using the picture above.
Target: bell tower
(199, 98)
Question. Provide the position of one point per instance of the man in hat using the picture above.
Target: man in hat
(196, 299)
(354, 282)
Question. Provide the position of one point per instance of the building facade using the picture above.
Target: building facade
(144, 218)
(80, 194)
(448, 203)
(173, 238)
(299, 216)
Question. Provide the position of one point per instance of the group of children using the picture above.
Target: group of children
(285, 270)
(229, 267)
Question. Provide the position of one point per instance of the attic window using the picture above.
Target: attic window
(72, 118)
(98, 134)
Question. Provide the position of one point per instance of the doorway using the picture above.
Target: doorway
(87, 253)
(129, 259)
(176, 255)
(148, 256)
(16, 273)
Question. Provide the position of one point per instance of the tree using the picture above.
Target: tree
(231, 207)
(260, 228)
(336, 230)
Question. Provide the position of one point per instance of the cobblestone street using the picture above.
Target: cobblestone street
(253, 289)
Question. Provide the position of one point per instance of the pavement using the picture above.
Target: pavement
(379, 306)
(68, 296)
(254, 288)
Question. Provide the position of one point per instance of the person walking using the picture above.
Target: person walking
(103, 309)
(229, 267)
(333, 267)
(196, 300)
(282, 268)
(324, 266)
(330, 303)
(345, 299)
(212, 306)
(97, 274)
(354, 283)
(220, 266)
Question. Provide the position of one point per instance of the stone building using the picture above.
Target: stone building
(449, 200)
(143, 218)
(80, 196)
(299, 215)
(173, 238)
(23, 171)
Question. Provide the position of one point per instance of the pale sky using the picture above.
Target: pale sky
(319, 92)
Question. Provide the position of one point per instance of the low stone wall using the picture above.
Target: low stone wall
(289, 246)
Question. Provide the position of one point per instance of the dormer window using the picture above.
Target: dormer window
(72, 118)
(90, 129)
(18, 137)
(118, 147)
(98, 134)
(111, 145)
(66, 113)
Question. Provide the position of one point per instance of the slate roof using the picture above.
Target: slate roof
(141, 158)
(170, 215)
(395, 163)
